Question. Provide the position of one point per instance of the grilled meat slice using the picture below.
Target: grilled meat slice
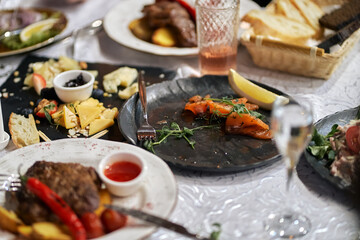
(172, 14)
(77, 185)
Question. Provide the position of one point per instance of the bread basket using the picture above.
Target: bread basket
(300, 60)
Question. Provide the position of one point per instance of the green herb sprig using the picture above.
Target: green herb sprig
(322, 148)
(239, 108)
(215, 234)
(50, 107)
(175, 130)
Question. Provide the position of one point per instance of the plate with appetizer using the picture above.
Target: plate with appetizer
(32, 103)
(70, 169)
(202, 124)
(334, 151)
(30, 29)
(147, 26)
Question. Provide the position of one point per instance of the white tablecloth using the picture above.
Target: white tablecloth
(240, 201)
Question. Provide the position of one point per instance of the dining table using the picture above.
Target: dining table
(239, 201)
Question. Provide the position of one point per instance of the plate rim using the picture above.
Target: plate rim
(206, 169)
(80, 143)
(130, 40)
(40, 44)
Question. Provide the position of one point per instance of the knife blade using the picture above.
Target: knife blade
(158, 221)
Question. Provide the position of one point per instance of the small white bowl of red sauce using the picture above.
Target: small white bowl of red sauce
(74, 85)
(123, 172)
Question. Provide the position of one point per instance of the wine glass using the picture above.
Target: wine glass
(292, 125)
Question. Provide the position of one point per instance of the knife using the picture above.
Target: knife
(340, 36)
(161, 222)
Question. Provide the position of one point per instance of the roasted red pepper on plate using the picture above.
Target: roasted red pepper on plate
(57, 205)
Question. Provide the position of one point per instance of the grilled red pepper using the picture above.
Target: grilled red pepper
(57, 205)
(188, 8)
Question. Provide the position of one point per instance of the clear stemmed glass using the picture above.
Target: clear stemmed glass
(291, 124)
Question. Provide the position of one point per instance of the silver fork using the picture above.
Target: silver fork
(146, 131)
(9, 182)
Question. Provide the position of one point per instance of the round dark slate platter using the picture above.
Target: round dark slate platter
(214, 151)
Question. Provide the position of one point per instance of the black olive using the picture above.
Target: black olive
(97, 93)
(26, 111)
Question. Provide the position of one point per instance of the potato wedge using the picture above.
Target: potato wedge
(141, 29)
(164, 37)
(25, 231)
(48, 231)
(105, 198)
(9, 221)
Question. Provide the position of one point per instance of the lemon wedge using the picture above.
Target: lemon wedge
(254, 93)
(36, 27)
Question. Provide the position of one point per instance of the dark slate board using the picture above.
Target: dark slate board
(22, 98)
(214, 151)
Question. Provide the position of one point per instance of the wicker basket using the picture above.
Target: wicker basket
(300, 60)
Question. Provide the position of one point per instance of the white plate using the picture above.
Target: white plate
(158, 195)
(116, 24)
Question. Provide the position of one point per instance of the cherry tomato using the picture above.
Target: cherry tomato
(92, 225)
(112, 220)
(353, 138)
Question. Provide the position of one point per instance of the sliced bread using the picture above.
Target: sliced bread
(23, 130)
(286, 8)
(312, 13)
(339, 18)
(278, 26)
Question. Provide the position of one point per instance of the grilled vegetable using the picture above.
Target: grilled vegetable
(57, 205)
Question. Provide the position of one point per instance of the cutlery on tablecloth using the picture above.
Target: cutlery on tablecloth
(158, 221)
(145, 131)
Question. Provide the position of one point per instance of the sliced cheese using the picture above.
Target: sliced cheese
(129, 91)
(110, 86)
(90, 102)
(109, 113)
(58, 116)
(87, 114)
(70, 119)
(100, 124)
(95, 73)
(123, 76)
(67, 64)
(72, 106)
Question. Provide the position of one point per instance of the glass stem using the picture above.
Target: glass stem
(290, 172)
(289, 202)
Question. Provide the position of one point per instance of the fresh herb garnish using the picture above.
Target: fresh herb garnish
(50, 107)
(322, 148)
(176, 131)
(239, 108)
(215, 234)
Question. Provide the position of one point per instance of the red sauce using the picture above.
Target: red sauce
(122, 171)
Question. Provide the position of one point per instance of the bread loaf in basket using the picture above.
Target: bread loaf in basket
(273, 49)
